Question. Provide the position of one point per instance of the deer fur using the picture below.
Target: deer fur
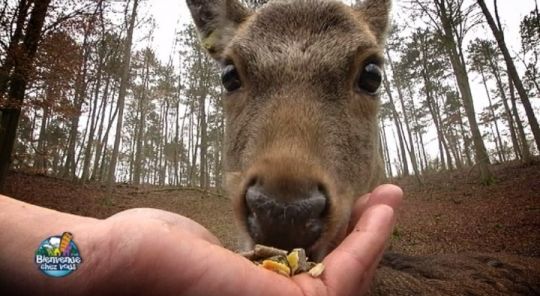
(298, 118)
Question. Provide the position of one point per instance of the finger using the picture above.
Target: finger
(388, 194)
(196, 267)
(359, 207)
(348, 266)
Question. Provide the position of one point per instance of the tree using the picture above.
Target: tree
(424, 61)
(10, 106)
(393, 44)
(530, 46)
(81, 85)
(57, 63)
(398, 126)
(450, 19)
(142, 94)
(124, 81)
(112, 69)
(497, 30)
(485, 58)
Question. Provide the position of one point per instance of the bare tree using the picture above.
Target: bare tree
(450, 19)
(124, 81)
(497, 30)
(10, 107)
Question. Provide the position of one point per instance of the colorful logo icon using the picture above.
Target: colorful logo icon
(58, 256)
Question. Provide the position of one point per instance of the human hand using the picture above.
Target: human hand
(153, 252)
(161, 253)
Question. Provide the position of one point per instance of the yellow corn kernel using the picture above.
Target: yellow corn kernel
(317, 270)
(293, 259)
(277, 267)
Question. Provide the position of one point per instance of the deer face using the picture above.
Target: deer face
(302, 80)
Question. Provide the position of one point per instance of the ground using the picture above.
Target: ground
(450, 213)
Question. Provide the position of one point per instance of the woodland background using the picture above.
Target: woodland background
(78, 101)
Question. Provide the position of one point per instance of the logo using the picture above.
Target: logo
(58, 256)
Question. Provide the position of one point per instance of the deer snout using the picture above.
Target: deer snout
(286, 214)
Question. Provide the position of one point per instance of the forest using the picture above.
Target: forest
(85, 98)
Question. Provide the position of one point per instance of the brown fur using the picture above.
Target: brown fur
(297, 120)
(297, 116)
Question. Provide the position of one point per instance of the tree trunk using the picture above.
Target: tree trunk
(80, 96)
(384, 144)
(124, 81)
(462, 78)
(509, 116)
(498, 140)
(102, 140)
(18, 81)
(412, 152)
(79, 154)
(138, 165)
(523, 138)
(204, 142)
(162, 142)
(13, 51)
(466, 140)
(453, 142)
(418, 134)
(184, 152)
(397, 123)
(194, 144)
(444, 141)
(399, 172)
(93, 123)
(176, 143)
(40, 163)
(430, 100)
(203, 133)
(512, 71)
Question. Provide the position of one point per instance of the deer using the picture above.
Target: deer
(302, 81)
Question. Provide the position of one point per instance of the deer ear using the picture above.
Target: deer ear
(217, 22)
(377, 15)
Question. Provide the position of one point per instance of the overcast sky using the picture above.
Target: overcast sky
(169, 14)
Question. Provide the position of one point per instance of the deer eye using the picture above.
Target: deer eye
(230, 78)
(370, 79)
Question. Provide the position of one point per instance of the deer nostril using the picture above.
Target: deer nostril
(322, 189)
(316, 203)
(306, 206)
(253, 181)
(256, 200)
(296, 220)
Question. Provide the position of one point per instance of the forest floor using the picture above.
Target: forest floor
(450, 213)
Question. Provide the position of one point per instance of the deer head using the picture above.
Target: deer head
(302, 81)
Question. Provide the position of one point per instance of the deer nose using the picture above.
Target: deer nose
(284, 217)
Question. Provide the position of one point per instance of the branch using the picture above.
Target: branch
(64, 18)
(427, 12)
(498, 18)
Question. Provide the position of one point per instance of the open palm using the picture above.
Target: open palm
(161, 253)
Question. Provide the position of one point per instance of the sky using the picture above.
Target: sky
(169, 14)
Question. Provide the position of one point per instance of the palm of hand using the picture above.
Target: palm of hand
(167, 254)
